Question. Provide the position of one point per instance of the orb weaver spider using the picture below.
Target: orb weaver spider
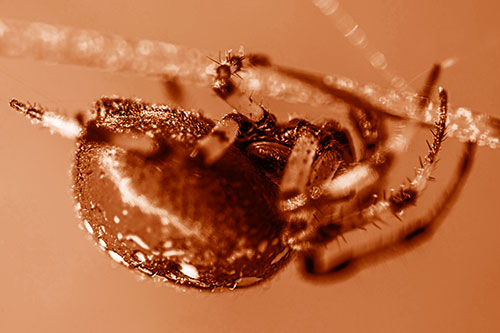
(296, 170)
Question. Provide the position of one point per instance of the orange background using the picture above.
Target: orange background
(54, 279)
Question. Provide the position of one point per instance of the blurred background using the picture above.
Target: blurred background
(53, 278)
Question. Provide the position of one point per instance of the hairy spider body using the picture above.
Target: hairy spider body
(225, 204)
(171, 194)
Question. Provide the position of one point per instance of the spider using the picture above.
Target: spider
(172, 194)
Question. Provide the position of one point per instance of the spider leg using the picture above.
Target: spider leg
(300, 210)
(223, 135)
(369, 128)
(359, 242)
(174, 89)
(213, 146)
(72, 128)
(363, 174)
(131, 142)
(298, 168)
(359, 177)
(407, 194)
(238, 100)
(64, 126)
(368, 171)
(293, 195)
(359, 229)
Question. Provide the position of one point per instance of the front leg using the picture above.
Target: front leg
(382, 223)
(64, 126)
(110, 111)
(373, 237)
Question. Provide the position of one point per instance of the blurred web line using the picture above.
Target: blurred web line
(65, 45)
(80, 47)
(351, 30)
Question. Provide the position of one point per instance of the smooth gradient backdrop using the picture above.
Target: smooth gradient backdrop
(53, 278)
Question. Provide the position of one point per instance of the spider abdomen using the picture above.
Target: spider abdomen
(174, 217)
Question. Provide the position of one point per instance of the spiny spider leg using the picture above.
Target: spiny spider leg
(213, 146)
(358, 242)
(362, 175)
(302, 230)
(66, 127)
(407, 195)
(223, 135)
(72, 129)
(298, 168)
(300, 205)
(367, 172)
